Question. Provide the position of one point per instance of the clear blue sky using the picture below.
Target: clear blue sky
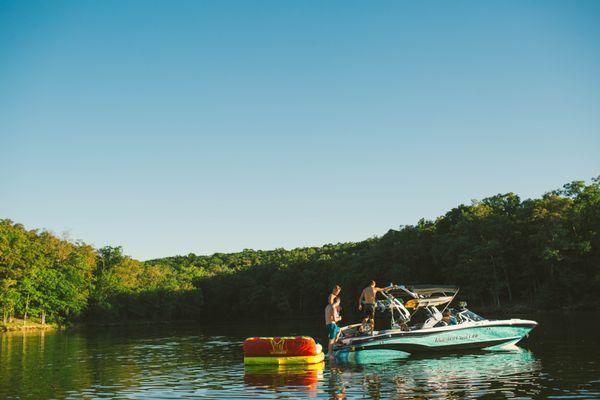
(176, 127)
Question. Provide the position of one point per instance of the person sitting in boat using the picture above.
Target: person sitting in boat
(366, 303)
(332, 317)
(447, 319)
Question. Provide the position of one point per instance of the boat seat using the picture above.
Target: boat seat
(430, 323)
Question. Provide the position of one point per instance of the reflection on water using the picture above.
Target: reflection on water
(301, 378)
(462, 375)
(193, 362)
(383, 374)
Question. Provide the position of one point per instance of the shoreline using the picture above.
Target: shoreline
(19, 325)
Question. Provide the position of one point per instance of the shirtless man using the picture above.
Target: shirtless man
(332, 316)
(366, 302)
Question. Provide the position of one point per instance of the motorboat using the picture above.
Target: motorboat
(417, 324)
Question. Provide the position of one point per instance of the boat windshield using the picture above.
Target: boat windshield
(467, 315)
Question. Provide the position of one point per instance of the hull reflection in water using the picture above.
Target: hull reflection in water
(477, 374)
(303, 378)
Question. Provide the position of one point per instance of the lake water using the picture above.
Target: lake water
(560, 359)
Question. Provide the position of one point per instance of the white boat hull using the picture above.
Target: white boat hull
(469, 335)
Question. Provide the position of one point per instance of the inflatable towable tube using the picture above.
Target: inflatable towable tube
(282, 350)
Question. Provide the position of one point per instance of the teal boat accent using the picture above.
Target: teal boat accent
(486, 334)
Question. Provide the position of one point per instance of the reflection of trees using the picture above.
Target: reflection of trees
(58, 364)
(41, 365)
(111, 362)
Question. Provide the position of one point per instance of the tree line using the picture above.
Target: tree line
(542, 252)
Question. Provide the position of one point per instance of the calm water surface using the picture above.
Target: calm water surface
(561, 359)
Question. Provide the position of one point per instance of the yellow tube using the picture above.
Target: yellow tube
(284, 360)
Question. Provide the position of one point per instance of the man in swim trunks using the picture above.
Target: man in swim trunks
(332, 316)
(366, 303)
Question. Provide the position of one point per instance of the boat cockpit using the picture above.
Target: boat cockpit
(414, 308)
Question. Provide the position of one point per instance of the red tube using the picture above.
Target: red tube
(280, 346)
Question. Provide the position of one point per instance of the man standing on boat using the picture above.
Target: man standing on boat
(332, 316)
(366, 303)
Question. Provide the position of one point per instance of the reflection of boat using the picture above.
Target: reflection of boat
(477, 373)
(362, 357)
(302, 377)
(417, 325)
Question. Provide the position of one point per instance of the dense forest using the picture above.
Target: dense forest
(501, 250)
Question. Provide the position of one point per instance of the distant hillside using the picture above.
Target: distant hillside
(501, 250)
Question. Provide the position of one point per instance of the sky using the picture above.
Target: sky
(170, 127)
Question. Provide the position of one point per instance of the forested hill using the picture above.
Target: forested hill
(502, 250)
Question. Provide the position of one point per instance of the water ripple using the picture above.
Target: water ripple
(176, 365)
